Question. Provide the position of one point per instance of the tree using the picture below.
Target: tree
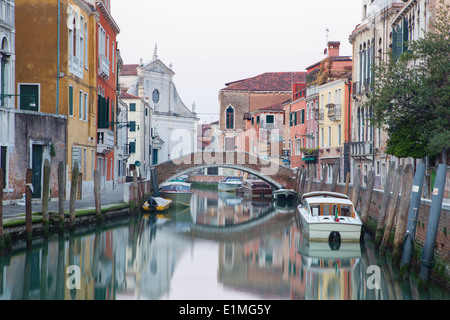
(411, 94)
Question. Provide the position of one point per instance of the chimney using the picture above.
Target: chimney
(333, 48)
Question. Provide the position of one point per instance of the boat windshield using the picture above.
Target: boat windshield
(176, 188)
(328, 209)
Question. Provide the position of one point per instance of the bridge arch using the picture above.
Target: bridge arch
(281, 177)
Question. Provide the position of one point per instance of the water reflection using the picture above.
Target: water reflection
(242, 248)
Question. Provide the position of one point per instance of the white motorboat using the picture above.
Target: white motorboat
(329, 216)
(230, 184)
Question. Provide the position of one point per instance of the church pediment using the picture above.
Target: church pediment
(158, 67)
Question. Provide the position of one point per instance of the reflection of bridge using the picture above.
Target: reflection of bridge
(271, 172)
(270, 222)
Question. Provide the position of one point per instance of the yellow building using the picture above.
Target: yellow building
(334, 125)
(78, 90)
(56, 80)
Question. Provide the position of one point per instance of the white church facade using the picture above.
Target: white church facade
(174, 126)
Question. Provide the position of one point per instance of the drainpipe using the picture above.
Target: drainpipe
(58, 58)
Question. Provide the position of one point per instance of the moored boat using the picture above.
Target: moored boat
(157, 204)
(329, 216)
(179, 192)
(230, 184)
(284, 195)
(257, 188)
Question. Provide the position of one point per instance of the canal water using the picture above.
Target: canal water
(221, 248)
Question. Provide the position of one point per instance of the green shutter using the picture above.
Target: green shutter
(70, 101)
(132, 126)
(132, 106)
(29, 97)
(132, 147)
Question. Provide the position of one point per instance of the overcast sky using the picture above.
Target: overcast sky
(212, 42)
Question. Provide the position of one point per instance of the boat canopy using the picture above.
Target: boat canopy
(325, 194)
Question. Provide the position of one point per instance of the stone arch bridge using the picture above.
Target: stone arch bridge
(276, 175)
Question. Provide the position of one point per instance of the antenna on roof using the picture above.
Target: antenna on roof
(327, 31)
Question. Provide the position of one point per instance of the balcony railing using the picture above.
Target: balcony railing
(105, 141)
(318, 116)
(103, 66)
(362, 149)
(334, 111)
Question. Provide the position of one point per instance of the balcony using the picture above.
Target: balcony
(318, 115)
(334, 111)
(362, 150)
(103, 66)
(105, 141)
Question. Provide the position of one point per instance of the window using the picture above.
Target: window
(303, 116)
(29, 97)
(339, 135)
(112, 57)
(80, 105)
(155, 96)
(85, 106)
(270, 119)
(4, 72)
(322, 138)
(132, 147)
(70, 100)
(86, 47)
(329, 136)
(3, 166)
(257, 119)
(132, 126)
(133, 107)
(230, 118)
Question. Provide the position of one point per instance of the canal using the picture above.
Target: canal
(222, 247)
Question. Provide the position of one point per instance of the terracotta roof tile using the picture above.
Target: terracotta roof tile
(129, 70)
(124, 95)
(269, 81)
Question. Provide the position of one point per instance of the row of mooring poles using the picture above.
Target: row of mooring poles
(5, 240)
(402, 209)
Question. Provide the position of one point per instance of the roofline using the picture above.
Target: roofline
(108, 16)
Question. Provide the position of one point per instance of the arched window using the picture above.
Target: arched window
(230, 118)
(4, 74)
(359, 124)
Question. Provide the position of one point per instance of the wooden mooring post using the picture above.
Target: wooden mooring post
(392, 210)
(384, 205)
(45, 199)
(347, 183)
(303, 183)
(311, 177)
(97, 196)
(73, 195)
(402, 214)
(427, 256)
(356, 187)
(334, 180)
(61, 188)
(413, 214)
(324, 178)
(28, 207)
(368, 197)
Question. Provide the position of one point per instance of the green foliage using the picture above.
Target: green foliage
(411, 96)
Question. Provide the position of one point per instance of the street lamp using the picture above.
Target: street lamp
(32, 98)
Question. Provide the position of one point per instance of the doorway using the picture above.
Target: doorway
(36, 166)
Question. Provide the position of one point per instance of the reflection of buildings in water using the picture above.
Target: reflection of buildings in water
(213, 208)
(255, 266)
(318, 271)
(151, 261)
